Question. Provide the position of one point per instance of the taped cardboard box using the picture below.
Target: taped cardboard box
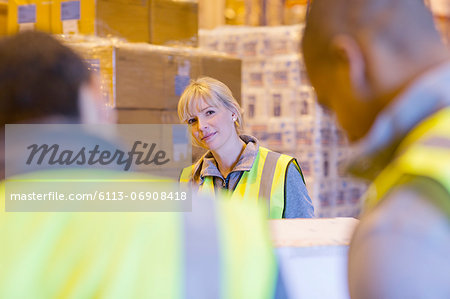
(163, 22)
(153, 77)
(149, 76)
(127, 19)
(28, 15)
(99, 56)
(224, 68)
(69, 16)
(174, 22)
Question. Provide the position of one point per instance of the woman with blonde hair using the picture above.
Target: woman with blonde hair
(236, 162)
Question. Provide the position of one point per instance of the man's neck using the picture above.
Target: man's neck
(421, 98)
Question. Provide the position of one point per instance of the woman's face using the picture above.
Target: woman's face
(212, 126)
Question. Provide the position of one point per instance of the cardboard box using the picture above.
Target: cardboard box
(281, 103)
(127, 19)
(255, 104)
(211, 13)
(162, 22)
(3, 18)
(99, 56)
(154, 77)
(152, 116)
(146, 116)
(174, 22)
(254, 73)
(69, 16)
(28, 15)
(260, 130)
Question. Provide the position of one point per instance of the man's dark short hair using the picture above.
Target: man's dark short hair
(39, 78)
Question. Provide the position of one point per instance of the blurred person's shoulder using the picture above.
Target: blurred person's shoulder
(409, 207)
(406, 235)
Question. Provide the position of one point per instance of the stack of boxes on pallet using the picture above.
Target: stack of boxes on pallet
(3, 17)
(161, 22)
(280, 109)
(56, 16)
(153, 21)
(143, 82)
(143, 50)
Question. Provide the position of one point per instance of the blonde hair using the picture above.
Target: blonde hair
(214, 93)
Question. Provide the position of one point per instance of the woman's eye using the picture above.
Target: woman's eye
(209, 112)
(191, 121)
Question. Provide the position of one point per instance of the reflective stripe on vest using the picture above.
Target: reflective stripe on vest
(424, 152)
(242, 279)
(221, 238)
(198, 227)
(270, 168)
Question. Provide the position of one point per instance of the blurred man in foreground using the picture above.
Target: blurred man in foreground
(220, 250)
(381, 66)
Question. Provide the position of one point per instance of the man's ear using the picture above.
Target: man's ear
(350, 57)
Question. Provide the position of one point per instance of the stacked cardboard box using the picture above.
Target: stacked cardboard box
(274, 12)
(280, 109)
(99, 55)
(162, 22)
(3, 17)
(68, 16)
(28, 15)
(56, 16)
(144, 82)
(149, 76)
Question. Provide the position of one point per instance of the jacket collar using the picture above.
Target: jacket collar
(207, 165)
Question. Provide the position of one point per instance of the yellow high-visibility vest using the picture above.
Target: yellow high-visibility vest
(265, 180)
(208, 253)
(425, 152)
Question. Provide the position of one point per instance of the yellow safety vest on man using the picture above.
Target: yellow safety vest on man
(265, 180)
(425, 152)
(220, 250)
